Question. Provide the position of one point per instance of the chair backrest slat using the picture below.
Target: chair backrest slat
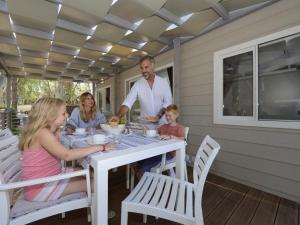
(16, 177)
(207, 149)
(202, 157)
(206, 154)
(10, 173)
(198, 169)
(10, 170)
(7, 141)
(4, 133)
(9, 162)
(6, 152)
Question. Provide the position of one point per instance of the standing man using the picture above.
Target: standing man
(153, 92)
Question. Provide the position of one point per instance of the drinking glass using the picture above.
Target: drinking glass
(92, 131)
(116, 138)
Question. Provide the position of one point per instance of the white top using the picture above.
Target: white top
(151, 100)
(76, 120)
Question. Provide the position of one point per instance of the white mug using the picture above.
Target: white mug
(151, 133)
(80, 130)
(99, 139)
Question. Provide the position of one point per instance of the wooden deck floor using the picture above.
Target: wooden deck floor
(224, 202)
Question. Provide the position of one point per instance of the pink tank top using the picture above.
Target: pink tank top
(37, 164)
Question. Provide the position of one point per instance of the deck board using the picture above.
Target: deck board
(212, 197)
(246, 210)
(287, 213)
(224, 202)
(224, 210)
(267, 210)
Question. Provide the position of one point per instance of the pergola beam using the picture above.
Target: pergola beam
(63, 50)
(94, 47)
(170, 17)
(115, 20)
(130, 44)
(233, 15)
(219, 9)
(32, 32)
(74, 27)
(36, 54)
(7, 40)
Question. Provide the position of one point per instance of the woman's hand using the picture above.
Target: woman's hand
(70, 130)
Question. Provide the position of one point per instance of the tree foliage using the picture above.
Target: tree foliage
(29, 90)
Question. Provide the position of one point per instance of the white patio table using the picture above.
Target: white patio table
(132, 148)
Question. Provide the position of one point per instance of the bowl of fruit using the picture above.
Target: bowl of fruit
(113, 127)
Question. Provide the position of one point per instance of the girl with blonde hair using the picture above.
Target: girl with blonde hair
(86, 115)
(42, 152)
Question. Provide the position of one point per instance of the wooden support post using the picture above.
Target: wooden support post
(8, 92)
(176, 71)
(14, 86)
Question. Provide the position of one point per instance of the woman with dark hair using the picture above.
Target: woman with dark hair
(86, 115)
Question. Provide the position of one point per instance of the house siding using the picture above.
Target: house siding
(265, 158)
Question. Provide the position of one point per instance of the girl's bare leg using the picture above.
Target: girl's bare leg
(77, 184)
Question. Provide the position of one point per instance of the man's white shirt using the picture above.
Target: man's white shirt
(151, 100)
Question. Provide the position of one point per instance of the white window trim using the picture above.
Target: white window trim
(129, 80)
(218, 117)
(103, 99)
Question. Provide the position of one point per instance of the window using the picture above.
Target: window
(238, 85)
(104, 100)
(135, 109)
(165, 72)
(279, 79)
(257, 83)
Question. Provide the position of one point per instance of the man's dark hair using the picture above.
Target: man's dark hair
(147, 57)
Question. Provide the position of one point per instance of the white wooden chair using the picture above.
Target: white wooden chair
(5, 133)
(169, 165)
(171, 198)
(22, 211)
(164, 165)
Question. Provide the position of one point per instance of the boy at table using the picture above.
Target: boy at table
(171, 130)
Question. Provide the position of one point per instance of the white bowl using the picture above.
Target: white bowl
(113, 129)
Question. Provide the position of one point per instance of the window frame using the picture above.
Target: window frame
(102, 108)
(219, 56)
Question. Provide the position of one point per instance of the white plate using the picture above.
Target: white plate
(80, 134)
(90, 142)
